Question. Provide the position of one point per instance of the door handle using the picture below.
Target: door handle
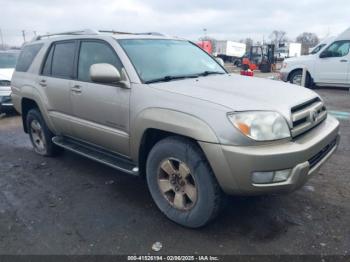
(76, 89)
(343, 60)
(42, 82)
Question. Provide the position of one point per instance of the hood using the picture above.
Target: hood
(303, 58)
(241, 93)
(6, 73)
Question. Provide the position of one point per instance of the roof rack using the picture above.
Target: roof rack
(92, 32)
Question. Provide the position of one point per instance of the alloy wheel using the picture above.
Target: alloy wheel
(177, 184)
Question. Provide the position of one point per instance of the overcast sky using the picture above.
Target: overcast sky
(223, 19)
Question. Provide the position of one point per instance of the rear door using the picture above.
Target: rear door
(101, 110)
(332, 65)
(56, 76)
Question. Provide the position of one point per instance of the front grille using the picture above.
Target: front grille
(320, 155)
(307, 115)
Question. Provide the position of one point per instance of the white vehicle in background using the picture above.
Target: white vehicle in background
(8, 60)
(230, 51)
(327, 65)
(288, 50)
(294, 50)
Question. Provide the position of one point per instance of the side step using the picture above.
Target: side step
(98, 154)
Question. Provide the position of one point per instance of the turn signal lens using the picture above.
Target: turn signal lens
(245, 129)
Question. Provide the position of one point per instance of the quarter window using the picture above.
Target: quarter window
(63, 60)
(27, 56)
(93, 52)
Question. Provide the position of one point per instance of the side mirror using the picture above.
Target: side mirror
(326, 53)
(220, 61)
(104, 73)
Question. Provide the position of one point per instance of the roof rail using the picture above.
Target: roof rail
(79, 32)
(129, 33)
(92, 32)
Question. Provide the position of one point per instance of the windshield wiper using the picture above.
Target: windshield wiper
(206, 73)
(170, 78)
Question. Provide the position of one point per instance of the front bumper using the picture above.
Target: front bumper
(283, 76)
(233, 165)
(5, 99)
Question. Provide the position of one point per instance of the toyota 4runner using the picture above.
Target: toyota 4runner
(160, 107)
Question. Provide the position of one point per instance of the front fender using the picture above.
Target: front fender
(170, 121)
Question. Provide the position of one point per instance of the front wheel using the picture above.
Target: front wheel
(181, 182)
(296, 78)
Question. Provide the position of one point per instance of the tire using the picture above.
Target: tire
(40, 135)
(186, 157)
(297, 74)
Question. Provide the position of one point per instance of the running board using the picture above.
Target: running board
(98, 154)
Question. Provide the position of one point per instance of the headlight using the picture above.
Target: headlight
(260, 125)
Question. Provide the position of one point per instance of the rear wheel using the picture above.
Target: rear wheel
(181, 182)
(40, 135)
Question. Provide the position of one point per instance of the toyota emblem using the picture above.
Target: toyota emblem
(313, 115)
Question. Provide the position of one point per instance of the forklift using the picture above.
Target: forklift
(260, 57)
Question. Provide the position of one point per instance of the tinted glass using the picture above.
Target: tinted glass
(93, 53)
(63, 60)
(47, 66)
(338, 49)
(27, 56)
(8, 59)
(159, 58)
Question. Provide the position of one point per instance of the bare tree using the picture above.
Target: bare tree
(278, 37)
(307, 41)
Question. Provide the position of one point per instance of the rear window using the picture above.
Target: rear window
(27, 56)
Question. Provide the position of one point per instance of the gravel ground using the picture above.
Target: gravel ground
(71, 205)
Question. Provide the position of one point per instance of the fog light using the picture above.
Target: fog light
(270, 177)
(262, 177)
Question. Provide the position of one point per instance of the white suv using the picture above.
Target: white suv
(8, 61)
(329, 65)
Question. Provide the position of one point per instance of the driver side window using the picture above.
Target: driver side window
(93, 52)
(337, 49)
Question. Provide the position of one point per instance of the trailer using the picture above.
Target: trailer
(230, 51)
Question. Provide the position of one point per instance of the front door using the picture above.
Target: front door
(101, 110)
(333, 64)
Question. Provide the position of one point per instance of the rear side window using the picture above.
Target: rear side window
(93, 52)
(63, 60)
(27, 56)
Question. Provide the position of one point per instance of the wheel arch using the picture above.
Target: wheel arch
(154, 124)
(31, 98)
(299, 69)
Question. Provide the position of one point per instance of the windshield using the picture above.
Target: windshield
(317, 49)
(8, 60)
(164, 60)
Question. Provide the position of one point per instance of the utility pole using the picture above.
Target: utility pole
(24, 36)
(205, 33)
(2, 40)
